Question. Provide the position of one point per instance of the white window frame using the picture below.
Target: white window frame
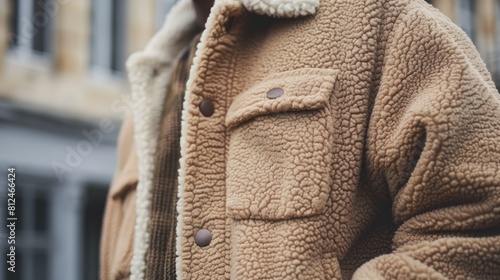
(102, 39)
(24, 52)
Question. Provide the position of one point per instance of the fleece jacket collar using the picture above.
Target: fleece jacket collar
(282, 8)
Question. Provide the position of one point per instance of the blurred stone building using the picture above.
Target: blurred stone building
(480, 19)
(62, 95)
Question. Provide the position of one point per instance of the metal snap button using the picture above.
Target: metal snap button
(203, 237)
(207, 107)
(275, 93)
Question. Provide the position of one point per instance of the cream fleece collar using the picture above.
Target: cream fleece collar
(282, 8)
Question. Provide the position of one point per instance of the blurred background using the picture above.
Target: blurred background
(63, 94)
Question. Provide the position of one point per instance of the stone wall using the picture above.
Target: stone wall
(67, 84)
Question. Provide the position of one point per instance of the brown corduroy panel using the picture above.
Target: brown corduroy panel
(161, 255)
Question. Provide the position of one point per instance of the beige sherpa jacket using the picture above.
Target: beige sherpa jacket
(349, 139)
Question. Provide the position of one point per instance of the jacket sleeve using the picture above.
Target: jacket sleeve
(434, 148)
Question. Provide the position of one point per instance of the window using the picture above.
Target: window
(31, 27)
(93, 211)
(14, 23)
(465, 10)
(41, 42)
(108, 41)
(32, 239)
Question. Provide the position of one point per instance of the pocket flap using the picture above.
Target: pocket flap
(304, 89)
(280, 147)
(122, 184)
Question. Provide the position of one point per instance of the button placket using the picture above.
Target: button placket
(207, 101)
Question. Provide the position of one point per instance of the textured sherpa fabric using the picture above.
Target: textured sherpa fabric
(381, 160)
(282, 8)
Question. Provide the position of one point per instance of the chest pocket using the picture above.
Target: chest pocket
(280, 147)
